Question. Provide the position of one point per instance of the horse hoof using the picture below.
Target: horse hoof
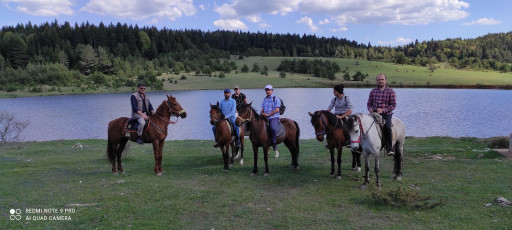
(159, 174)
(338, 177)
(379, 188)
(123, 172)
(277, 154)
(359, 169)
(115, 173)
(253, 174)
(363, 187)
(331, 175)
(241, 161)
(398, 178)
(353, 169)
(266, 174)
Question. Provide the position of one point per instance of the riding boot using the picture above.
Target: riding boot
(237, 142)
(216, 145)
(389, 142)
(139, 140)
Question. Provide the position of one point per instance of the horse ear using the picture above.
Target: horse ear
(217, 103)
(210, 104)
(250, 103)
(310, 114)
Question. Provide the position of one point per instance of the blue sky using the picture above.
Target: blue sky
(380, 22)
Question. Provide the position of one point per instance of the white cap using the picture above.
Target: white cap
(269, 87)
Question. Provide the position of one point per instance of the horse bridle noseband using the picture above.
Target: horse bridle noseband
(246, 120)
(325, 125)
(361, 130)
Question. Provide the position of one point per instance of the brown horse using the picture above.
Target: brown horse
(155, 134)
(259, 135)
(224, 137)
(326, 124)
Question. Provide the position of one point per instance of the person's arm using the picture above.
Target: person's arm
(333, 101)
(134, 104)
(245, 98)
(392, 102)
(369, 104)
(277, 104)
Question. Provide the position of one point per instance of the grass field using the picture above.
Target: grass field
(398, 76)
(195, 193)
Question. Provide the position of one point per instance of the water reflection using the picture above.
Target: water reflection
(425, 112)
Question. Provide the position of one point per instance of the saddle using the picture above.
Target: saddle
(280, 130)
(132, 125)
(381, 122)
(230, 126)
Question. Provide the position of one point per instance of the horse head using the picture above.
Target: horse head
(355, 130)
(215, 114)
(245, 113)
(175, 108)
(318, 122)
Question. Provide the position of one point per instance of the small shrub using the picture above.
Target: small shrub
(183, 77)
(499, 142)
(401, 198)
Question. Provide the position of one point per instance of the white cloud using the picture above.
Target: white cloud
(41, 7)
(341, 29)
(254, 19)
(309, 22)
(141, 9)
(483, 21)
(202, 7)
(263, 25)
(404, 12)
(230, 24)
(397, 42)
(325, 21)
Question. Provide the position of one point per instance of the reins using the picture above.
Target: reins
(362, 134)
(167, 121)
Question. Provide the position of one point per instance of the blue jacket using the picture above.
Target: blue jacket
(228, 108)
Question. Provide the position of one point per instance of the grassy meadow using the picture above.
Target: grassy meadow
(458, 177)
(399, 76)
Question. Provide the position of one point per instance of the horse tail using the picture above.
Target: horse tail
(297, 134)
(111, 153)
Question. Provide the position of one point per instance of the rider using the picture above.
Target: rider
(239, 97)
(270, 109)
(140, 108)
(228, 108)
(342, 105)
(382, 100)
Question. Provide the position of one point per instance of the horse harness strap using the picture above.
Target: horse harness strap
(156, 126)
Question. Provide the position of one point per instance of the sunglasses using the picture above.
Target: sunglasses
(142, 88)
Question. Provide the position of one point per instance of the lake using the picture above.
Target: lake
(425, 112)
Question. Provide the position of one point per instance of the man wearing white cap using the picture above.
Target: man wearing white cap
(270, 109)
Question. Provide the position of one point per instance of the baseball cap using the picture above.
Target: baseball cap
(236, 87)
(227, 91)
(268, 87)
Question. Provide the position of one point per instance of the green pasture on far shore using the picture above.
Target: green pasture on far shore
(398, 76)
(461, 176)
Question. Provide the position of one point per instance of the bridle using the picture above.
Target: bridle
(362, 134)
(168, 121)
(247, 119)
(324, 123)
(217, 119)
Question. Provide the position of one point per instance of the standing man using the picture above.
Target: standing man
(141, 106)
(382, 100)
(228, 108)
(239, 97)
(270, 109)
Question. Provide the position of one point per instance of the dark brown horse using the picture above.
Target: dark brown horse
(259, 135)
(224, 137)
(326, 124)
(155, 134)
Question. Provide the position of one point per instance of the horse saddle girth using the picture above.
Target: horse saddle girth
(231, 128)
(132, 125)
(280, 130)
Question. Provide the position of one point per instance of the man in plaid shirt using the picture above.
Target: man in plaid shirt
(382, 100)
(270, 109)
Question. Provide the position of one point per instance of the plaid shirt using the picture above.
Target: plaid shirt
(385, 99)
(269, 104)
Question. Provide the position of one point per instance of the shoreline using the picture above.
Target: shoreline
(4, 94)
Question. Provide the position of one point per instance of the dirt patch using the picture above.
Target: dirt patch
(504, 152)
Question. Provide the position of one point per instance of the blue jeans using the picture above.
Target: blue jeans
(388, 133)
(273, 123)
(236, 128)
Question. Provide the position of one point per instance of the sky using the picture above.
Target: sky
(378, 22)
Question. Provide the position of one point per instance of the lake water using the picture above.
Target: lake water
(425, 112)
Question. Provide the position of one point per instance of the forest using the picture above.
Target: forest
(88, 55)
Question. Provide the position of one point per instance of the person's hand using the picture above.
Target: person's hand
(379, 110)
(338, 116)
(144, 116)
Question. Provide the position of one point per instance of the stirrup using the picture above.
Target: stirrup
(216, 145)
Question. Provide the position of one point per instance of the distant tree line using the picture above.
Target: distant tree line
(119, 55)
(317, 67)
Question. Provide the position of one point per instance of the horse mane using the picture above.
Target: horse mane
(253, 111)
(331, 119)
(160, 109)
(217, 108)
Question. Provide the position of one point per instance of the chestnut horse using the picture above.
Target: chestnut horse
(326, 124)
(259, 135)
(155, 134)
(224, 137)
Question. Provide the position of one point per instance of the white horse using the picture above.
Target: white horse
(365, 131)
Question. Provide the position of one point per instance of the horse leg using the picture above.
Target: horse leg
(156, 151)
(233, 154)
(112, 148)
(398, 158)
(265, 157)
(340, 150)
(331, 151)
(294, 152)
(160, 156)
(241, 150)
(377, 171)
(366, 171)
(119, 154)
(356, 161)
(255, 168)
(225, 156)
